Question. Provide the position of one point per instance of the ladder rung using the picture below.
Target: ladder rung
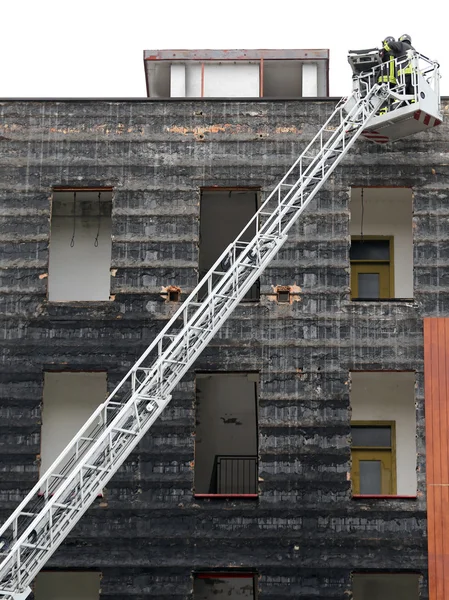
(223, 297)
(95, 468)
(35, 547)
(60, 505)
(121, 430)
(174, 362)
(151, 399)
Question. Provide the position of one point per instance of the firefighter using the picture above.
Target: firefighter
(387, 68)
(401, 50)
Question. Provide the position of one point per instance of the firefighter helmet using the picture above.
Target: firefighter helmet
(405, 38)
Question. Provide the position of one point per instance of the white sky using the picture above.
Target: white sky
(94, 48)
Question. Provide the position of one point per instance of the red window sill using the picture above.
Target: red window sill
(226, 496)
(382, 496)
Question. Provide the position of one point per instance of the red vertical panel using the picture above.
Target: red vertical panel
(436, 373)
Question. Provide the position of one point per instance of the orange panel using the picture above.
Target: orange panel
(436, 374)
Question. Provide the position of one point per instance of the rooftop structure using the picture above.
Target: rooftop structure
(236, 73)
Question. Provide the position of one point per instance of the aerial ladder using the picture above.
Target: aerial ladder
(59, 499)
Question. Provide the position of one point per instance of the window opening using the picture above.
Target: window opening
(383, 444)
(283, 296)
(173, 295)
(381, 220)
(226, 439)
(385, 586)
(69, 399)
(80, 245)
(223, 215)
(67, 585)
(226, 585)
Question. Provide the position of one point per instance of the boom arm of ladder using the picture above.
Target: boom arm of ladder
(117, 426)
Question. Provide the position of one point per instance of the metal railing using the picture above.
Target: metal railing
(236, 474)
(420, 66)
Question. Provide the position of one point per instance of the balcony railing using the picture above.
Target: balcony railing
(236, 474)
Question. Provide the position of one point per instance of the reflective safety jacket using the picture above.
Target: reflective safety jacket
(399, 50)
(387, 69)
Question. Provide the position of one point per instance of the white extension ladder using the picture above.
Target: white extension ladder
(56, 503)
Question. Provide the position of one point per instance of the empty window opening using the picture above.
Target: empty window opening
(80, 246)
(227, 585)
(174, 295)
(69, 400)
(383, 433)
(385, 586)
(226, 441)
(224, 214)
(293, 79)
(381, 243)
(67, 585)
(283, 296)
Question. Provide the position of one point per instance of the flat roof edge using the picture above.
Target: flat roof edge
(298, 54)
(182, 100)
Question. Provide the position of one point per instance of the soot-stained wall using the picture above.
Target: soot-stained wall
(304, 535)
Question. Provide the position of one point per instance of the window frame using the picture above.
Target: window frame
(376, 452)
(386, 268)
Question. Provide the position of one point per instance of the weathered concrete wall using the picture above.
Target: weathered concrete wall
(305, 534)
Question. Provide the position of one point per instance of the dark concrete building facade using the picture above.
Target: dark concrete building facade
(152, 185)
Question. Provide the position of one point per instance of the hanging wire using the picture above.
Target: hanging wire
(72, 241)
(362, 215)
(99, 220)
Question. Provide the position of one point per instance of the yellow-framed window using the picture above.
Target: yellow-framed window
(372, 267)
(373, 458)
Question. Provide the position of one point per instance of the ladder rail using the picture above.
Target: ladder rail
(121, 425)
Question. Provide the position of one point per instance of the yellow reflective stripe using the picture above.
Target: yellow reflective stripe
(405, 70)
(392, 76)
(389, 69)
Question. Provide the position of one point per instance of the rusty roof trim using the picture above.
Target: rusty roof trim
(305, 54)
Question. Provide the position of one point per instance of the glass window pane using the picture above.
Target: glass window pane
(369, 285)
(370, 477)
(370, 250)
(377, 437)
